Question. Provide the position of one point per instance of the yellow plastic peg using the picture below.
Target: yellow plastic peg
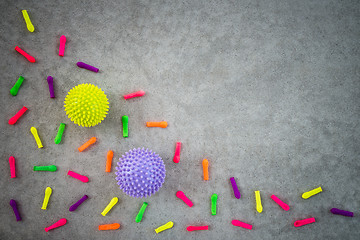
(164, 227)
(311, 193)
(48, 192)
(110, 206)
(36, 136)
(259, 207)
(29, 25)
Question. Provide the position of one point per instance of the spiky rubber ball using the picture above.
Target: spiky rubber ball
(86, 105)
(140, 172)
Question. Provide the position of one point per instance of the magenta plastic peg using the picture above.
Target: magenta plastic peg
(235, 188)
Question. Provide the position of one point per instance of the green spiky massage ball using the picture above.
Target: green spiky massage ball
(86, 105)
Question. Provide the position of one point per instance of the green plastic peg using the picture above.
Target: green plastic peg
(14, 90)
(141, 212)
(125, 121)
(51, 168)
(60, 133)
(213, 203)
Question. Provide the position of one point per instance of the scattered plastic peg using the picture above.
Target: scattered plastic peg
(311, 193)
(59, 134)
(36, 136)
(62, 46)
(164, 227)
(59, 223)
(13, 204)
(110, 206)
(303, 222)
(15, 89)
(12, 167)
(281, 203)
(109, 158)
(259, 207)
(197, 228)
(205, 164)
(141, 212)
(235, 188)
(135, 94)
(112, 226)
(125, 124)
(78, 203)
(48, 192)
(25, 54)
(29, 25)
(176, 158)
(87, 144)
(182, 196)
(237, 223)
(51, 168)
(341, 212)
(87, 66)
(50, 81)
(214, 198)
(16, 117)
(162, 124)
(78, 176)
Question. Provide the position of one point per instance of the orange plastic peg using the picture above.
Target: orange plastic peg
(109, 158)
(205, 164)
(87, 144)
(162, 124)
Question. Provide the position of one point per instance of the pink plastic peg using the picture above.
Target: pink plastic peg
(16, 117)
(12, 166)
(197, 228)
(25, 54)
(182, 196)
(59, 223)
(62, 45)
(237, 223)
(135, 94)
(281, 203)
(303, 222)
(177, 152)
(78, 176)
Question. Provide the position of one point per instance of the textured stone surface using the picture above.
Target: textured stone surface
(268, 91)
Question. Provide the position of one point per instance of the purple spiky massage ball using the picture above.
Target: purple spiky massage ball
(140, 172)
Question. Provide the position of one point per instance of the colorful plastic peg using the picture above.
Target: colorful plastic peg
(197, 228)
(87, 144)
(48, 192)
(78, 203)
(62, 46)
(237, 223)
(12, 167)
(303, 222)
(36, 136)
(135, 94)
(51, 168)
(78, 176)
(25, 54)
(13, 204)
(341, 212)
(59, 134)
(311, 193)
(259, 207)
(281, 203)
(16, 117)
(87, 66)
(176, 158)
(162, 124)
(125, 125)
(235, 188)
(205, 164)
(112, 226)
(29, 25)
(15, 89)
(164, 227)
(182, 196)
(110, 206)
(59, 223)
(109, 158)
(214, 198)
(141, 212)
(50, 81)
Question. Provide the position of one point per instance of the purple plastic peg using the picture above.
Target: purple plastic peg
(50, 81)
(15, 209)
(77, 204)
(87, 66)
(235, 188)
(341, 212)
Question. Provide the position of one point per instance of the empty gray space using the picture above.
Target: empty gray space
(267, 91)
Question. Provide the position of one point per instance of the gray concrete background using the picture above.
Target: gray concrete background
(268, 91)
